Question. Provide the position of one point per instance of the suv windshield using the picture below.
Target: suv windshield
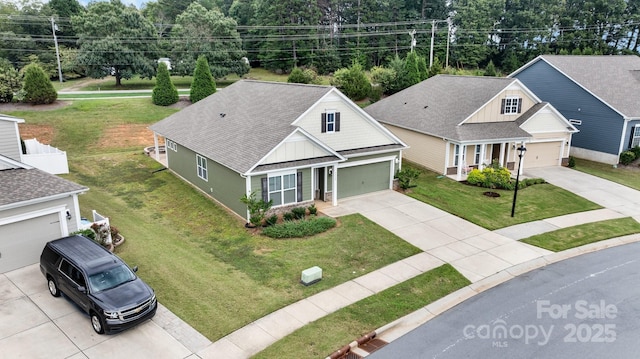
(110, 278)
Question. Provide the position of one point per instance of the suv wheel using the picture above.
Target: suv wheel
(53, 288)
(96, 322)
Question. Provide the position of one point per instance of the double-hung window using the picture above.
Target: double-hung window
(456, 155)
(511, 105)
(477, 154)
(635, 139)
(201, 164)
(282, 189)
(172, 145)
(330, 121)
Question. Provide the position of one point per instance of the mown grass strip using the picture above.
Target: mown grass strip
(328, 334)
(576, 236)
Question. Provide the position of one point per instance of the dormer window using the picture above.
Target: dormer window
(511, 106)
(330, 121)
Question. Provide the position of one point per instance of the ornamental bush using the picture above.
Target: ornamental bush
(37, 87)
(407, 176)
(352, 81)
(164, 93)
(627, 157)
(299, 229)
(203, 83)
(491, 177)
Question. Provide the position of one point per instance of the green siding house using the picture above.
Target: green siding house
(289, 143)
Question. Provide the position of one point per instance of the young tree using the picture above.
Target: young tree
(164, 93)
(37, 87)
(115, 40)
(9, 80)
(353, 82)
(412, 68)
(203, 83)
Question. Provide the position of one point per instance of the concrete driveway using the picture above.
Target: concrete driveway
(37, 325)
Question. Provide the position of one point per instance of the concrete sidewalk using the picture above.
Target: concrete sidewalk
(486, 258)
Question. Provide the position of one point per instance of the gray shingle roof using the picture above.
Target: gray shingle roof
(439, 104)
(238, 125)
(614, 79)
(21, 184)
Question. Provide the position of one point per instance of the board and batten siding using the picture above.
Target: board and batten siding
(491, 111)
(355, 130)
(9, 140)
(223, 184)
(601, 127)
(296, 147)
(425, 150)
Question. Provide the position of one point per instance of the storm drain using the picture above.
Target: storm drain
(372, 345)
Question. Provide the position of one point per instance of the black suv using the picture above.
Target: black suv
(99, 282)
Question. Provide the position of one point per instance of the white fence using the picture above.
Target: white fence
(45, 157)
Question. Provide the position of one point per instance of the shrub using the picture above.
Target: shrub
(627, 157)
(636, 151)
(299, 212)
(87, 233)
(491, 177)
(289, 216)
(203, 84)
(271, 220)
(37, 87)
(303, 76)
(572, 162)
(313, 210)
(10, 81)
(352, 81)
(383, 78)
(299, 229)
(407, 176)
(164, 93)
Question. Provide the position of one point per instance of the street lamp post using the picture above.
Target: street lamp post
(521, 151)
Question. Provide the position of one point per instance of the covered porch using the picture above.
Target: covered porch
(462, 158)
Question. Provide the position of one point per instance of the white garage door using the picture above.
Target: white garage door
(543, 154)
(21, 242)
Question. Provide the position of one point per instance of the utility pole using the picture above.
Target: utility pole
(54, 27)
(433, 34)
(412, 33)
(448, 40)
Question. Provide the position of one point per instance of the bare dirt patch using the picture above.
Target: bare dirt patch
(43, 133)
(126, 135)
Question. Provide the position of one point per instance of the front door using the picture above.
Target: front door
(495, 153)
(320, 184)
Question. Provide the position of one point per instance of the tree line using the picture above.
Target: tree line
(111, 38)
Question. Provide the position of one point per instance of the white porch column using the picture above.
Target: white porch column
(155, 143)
(334, 187)
(247, 185)
(502, 154)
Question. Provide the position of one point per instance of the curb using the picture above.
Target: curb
(399, 327)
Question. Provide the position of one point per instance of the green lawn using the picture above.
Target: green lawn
(629, 177)
(584, 234)
(468, 202)
(205, 266)
(326, 335)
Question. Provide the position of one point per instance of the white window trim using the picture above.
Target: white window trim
(456, 154)
(331, 113)
(477, 155)
(202, 170)
(636, 137)
(282, 189)
(511, 109)
(171, 145)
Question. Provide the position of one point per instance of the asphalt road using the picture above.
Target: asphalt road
(584, 307)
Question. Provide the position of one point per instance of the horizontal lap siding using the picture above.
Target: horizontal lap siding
(223, 184)
(8, 140)
(601, 127)
(424, 150)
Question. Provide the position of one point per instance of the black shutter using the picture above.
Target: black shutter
(633, 128)
(299, 186)
(504, 102)
(519, 105)
(324, 122)
(337, 121)
(265, 189)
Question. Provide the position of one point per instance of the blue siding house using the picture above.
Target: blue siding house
(599, 95)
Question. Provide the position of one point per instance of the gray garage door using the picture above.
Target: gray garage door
(21, 242)
(356, 180)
